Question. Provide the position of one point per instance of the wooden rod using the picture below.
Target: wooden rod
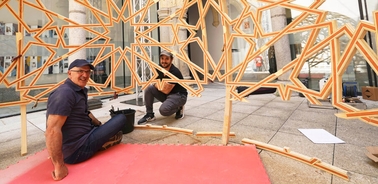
(164, 127)
(202, 134)
(312, 161)
(227, 50)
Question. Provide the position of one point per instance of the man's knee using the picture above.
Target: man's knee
(120, 119)
(150, 89)
(165, 111)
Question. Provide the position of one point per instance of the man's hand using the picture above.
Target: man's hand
(167, 87)
(95, 121)
(60, 172)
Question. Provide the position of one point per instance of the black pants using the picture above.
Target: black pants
(171, 102)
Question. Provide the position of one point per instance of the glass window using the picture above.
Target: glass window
(45, 60)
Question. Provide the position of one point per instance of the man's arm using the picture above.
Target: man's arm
(95, 121)
(167, 87)
(54, 140)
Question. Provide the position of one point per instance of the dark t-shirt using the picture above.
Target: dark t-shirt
(176, 72)
(70, 100)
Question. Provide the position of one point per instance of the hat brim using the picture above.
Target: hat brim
(90, 65)
(165, 54)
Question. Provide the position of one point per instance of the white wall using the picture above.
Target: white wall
(346, 7)
(214, 38)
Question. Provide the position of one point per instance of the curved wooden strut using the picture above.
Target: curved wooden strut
(312, 161)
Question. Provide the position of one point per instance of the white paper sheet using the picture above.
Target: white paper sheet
(320, 136)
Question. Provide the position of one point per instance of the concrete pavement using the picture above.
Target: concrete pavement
(265, 118)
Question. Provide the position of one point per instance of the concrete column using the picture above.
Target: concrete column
(182, 35)
(166, 35)
(282, 46)
(77, 36)
(165, 32)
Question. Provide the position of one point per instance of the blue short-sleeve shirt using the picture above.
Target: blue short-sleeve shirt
(71, 100)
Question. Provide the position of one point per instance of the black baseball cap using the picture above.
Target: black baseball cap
(80, 63)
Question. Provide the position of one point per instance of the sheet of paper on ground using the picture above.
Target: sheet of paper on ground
(320, 136)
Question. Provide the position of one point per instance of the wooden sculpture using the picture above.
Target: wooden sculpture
(102, 41)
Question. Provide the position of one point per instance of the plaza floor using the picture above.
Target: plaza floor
(265, 118)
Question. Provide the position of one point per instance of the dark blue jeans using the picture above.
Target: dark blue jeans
(96, 139)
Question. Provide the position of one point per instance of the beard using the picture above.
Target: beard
(165, 64)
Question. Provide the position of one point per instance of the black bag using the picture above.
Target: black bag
(262, 90)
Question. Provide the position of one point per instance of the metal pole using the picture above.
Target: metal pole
(371, 44)
(367, 64)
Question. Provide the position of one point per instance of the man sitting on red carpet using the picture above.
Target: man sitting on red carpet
(73, 134)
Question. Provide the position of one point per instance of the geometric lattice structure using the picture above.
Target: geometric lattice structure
(25, 83)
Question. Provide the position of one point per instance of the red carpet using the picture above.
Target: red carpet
(133, 163)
